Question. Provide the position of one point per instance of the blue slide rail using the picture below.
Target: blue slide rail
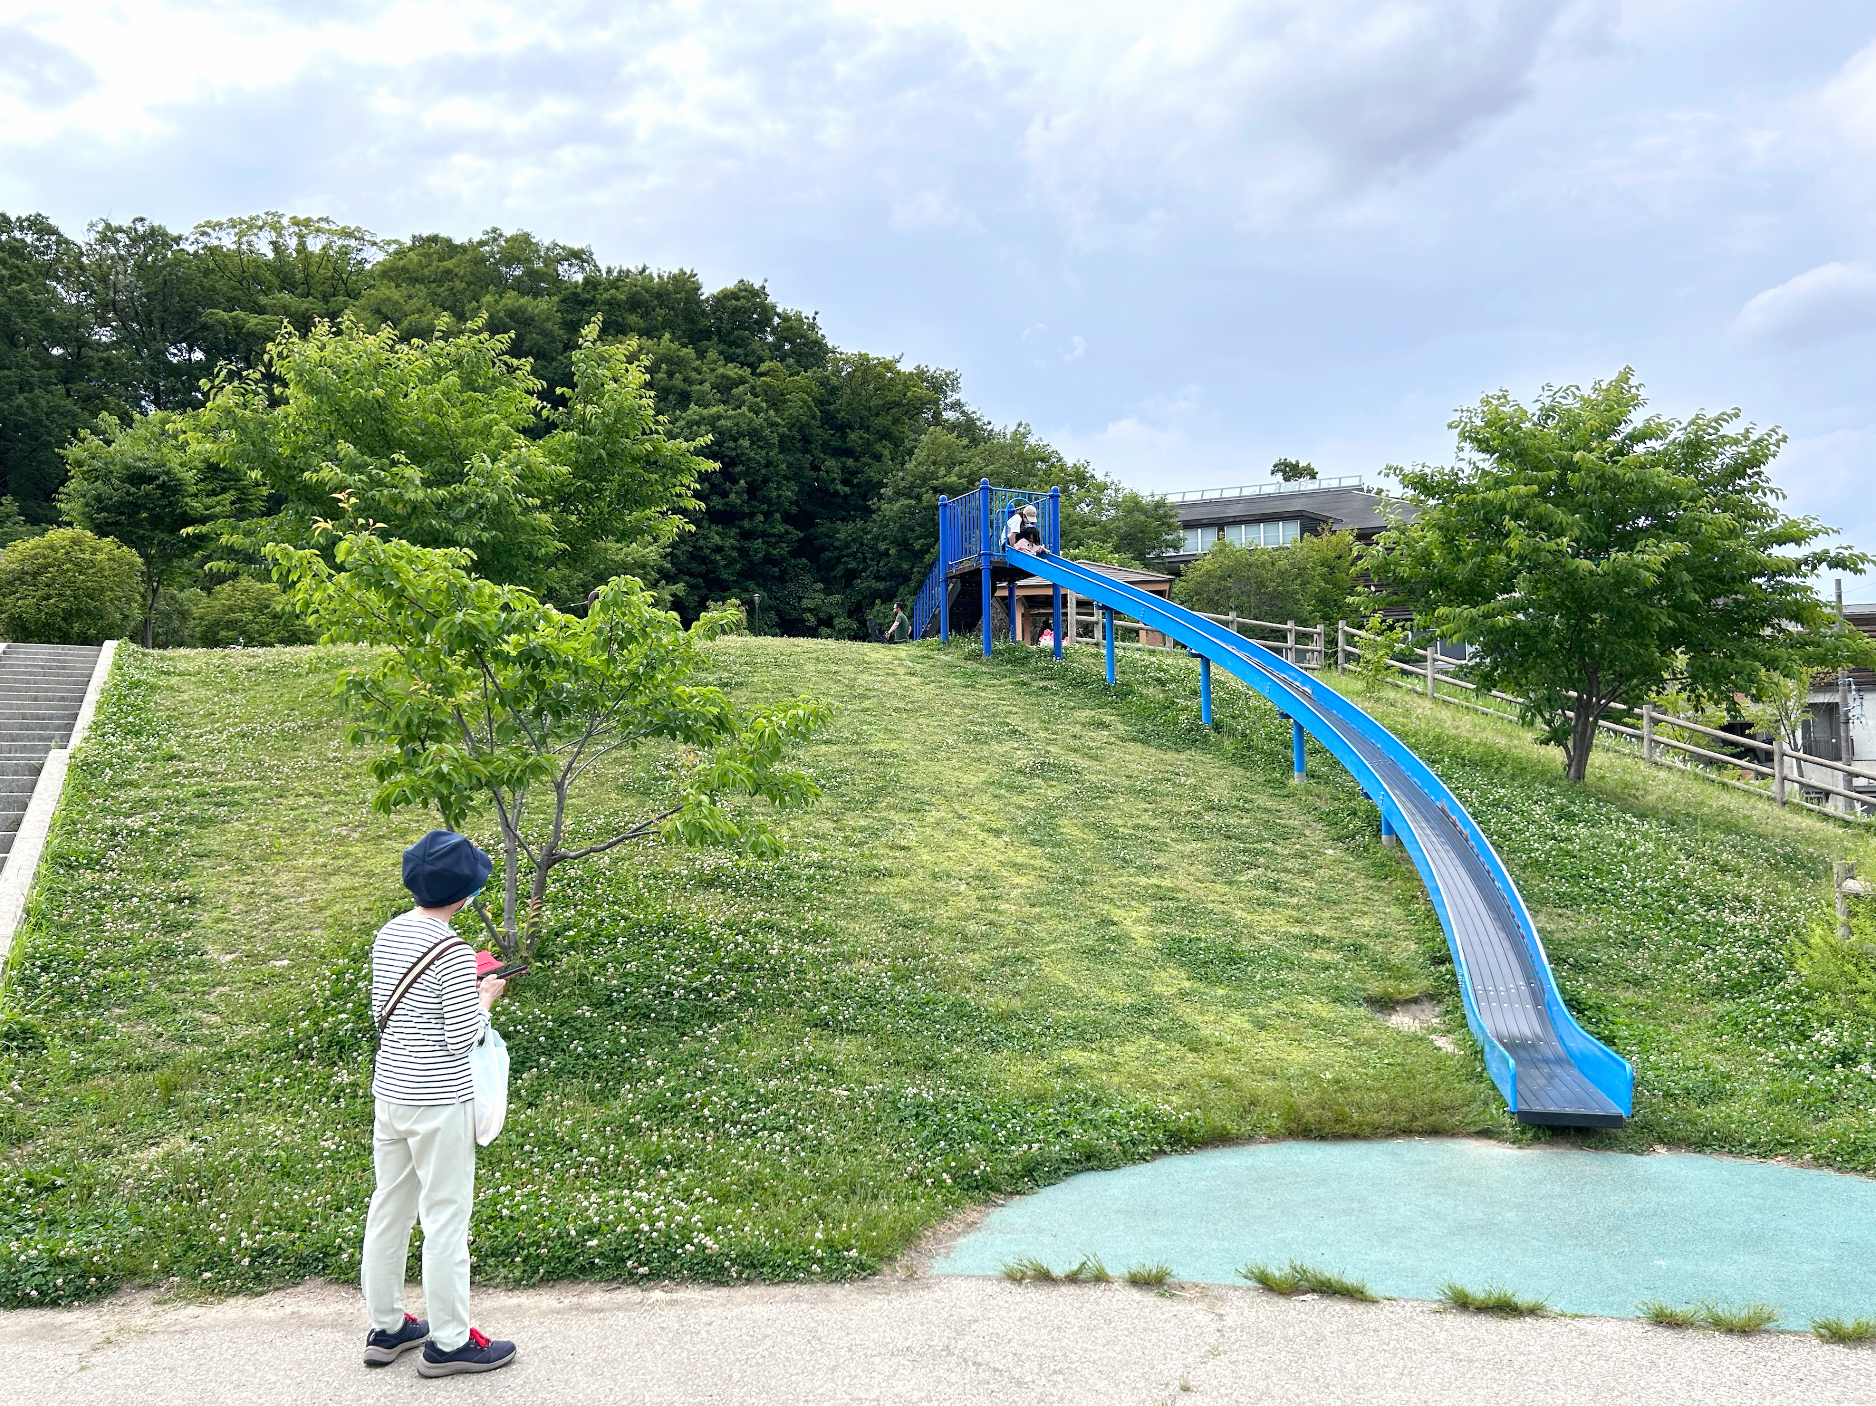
(1549, 1069)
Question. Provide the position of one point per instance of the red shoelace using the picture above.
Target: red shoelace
(478, 1337)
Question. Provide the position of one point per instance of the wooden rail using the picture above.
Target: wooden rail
(1789, 772)
(1302, 645)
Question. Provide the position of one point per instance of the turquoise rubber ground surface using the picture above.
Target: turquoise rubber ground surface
(1593, 1232)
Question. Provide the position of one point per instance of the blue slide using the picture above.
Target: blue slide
(1549, 1069)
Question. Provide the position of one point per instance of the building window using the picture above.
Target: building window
(1243, 534)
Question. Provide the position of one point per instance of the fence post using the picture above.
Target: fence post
(1234, 622)
(1289, 649)
(1648, 732)
(1321, 644)
(1843, 869)
(1432, 673)
(1778, 767)
(1341, 646)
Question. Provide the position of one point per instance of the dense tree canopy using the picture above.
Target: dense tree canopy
(820, 468)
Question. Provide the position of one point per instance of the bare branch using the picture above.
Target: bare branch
(634, 833)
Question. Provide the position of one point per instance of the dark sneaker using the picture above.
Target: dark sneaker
(383, 1348)
(479, 1354)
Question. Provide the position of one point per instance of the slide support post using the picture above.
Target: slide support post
(1011, 597)
(1296, 750)
(1205, 690)
(1058, 622)
(1388, 837)
(1107, 624)
(983, 554)
(944, 575)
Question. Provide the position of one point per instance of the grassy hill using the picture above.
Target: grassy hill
(1034, 926)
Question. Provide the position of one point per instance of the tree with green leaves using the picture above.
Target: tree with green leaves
(483, 696)
(1293, 470)
(1143, 528)
(1309, 580)
(1593, 554)
(447, 443)
(57, 371)
(138, 484)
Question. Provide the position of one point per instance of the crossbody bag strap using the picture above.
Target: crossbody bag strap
(412, 976)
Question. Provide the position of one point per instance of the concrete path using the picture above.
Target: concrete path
(932, 1339)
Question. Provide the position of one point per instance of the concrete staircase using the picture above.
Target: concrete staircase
(41, 689)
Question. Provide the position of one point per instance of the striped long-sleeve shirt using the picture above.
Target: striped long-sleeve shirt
(423, 1055)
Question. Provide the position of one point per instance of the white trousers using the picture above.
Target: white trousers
(426, 1164)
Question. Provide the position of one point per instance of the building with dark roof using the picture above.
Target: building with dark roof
(1269, 514)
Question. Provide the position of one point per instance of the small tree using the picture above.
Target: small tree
(1143, 529)
(135, 484)
(1292, 470)
(1308, 580)
(486, 696)
(1593, 556)
(69, 587)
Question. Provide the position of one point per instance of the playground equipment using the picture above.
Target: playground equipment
(1549, 1069)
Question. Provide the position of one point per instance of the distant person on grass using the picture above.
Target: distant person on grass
(901, 628)
(430, 1009)
(1022, 534)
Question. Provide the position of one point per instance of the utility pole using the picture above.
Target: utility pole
(1844, 747)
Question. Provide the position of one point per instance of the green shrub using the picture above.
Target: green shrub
(1842, 972)
(69, 587)
(246, 612)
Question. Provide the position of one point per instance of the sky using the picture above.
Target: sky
(1179, 239)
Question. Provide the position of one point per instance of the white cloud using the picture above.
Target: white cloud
(1113, 119)
(1828, 301)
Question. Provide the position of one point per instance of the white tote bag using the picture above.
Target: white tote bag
(488, 1069)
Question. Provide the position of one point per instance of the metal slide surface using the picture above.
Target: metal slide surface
(1550, 1069)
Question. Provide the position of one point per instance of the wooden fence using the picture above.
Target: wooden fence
(1303, 645)
(1792, 775)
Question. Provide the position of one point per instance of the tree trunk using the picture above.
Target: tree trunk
(511, 943)
(1582, 738)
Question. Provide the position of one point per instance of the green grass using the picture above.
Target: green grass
(1298, 1278)
(1745, 1318)
(1845, 1330)
(1027, 1269)
(1494, 1299)
(1035, 926)
(1155, 1276)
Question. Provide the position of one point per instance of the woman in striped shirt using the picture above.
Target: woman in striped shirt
(430, 1010)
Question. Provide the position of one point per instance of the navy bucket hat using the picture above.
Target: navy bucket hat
(443, 867)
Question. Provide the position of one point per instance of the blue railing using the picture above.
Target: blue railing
(973, 535)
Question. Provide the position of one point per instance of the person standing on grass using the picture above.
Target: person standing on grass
(901, 629)
(430, 1010)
